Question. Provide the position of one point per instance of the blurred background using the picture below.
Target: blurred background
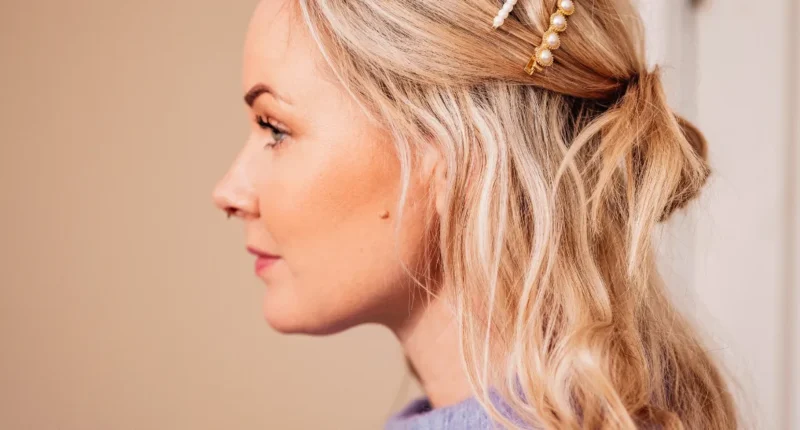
(127, 301)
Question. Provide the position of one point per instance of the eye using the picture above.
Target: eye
(278, 134)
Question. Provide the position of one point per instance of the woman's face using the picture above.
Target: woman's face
(312, 184)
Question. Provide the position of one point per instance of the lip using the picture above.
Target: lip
(263, 259)
(259, 253)
(263, 263)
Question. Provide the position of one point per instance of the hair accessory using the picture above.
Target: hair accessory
(508, 6)
(551, 40)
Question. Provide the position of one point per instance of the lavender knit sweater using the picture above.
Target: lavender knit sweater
(465, 415)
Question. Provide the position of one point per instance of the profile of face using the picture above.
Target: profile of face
(313, 184)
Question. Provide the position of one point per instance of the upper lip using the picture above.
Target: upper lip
(259, 253)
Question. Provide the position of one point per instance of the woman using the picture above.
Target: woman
(482, 178)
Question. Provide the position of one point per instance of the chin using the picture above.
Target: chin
(289, 315)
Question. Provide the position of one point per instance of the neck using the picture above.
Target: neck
(429, 337)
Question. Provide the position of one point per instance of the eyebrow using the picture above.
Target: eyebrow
(259, 89)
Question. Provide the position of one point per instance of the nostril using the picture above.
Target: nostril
(234, 200)
(223, 201)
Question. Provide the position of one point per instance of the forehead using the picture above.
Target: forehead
(279, 51)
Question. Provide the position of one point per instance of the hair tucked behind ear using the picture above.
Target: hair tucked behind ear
(555, 184)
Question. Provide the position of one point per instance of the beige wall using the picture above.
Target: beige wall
(126, 300)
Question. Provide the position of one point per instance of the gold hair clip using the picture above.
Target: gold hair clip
(551, 40)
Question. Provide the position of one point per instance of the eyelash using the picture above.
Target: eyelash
(268, 126)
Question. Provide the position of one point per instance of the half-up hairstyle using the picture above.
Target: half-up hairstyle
(556, 181)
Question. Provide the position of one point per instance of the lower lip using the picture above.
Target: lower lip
(262, 263)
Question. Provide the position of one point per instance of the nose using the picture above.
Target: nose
(235, 193)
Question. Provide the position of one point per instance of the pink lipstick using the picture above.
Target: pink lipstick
(263, 259)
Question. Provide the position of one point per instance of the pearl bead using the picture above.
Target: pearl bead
(545, 57)
(507, 7)
(558, 21)
(552, 40)
(567, 6)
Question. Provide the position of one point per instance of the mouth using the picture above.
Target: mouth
(263, 259)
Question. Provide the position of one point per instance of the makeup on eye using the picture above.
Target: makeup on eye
(278, 132)
(261, 92)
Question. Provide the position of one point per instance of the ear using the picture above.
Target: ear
(434, 169)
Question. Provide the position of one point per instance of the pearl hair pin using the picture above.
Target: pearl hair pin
(551, 40)
(508, 6)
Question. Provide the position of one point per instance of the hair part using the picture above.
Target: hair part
(556, 182)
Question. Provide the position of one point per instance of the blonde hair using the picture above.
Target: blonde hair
(556, 182)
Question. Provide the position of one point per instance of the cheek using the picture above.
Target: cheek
(323, 211)
(318, 198)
